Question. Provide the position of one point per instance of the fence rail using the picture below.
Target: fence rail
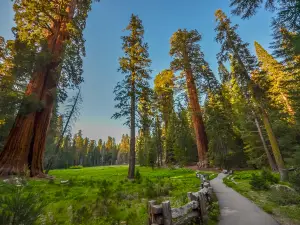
(196, 209)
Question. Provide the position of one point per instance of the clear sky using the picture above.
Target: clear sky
(161, 18)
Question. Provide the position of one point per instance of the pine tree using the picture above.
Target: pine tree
(163, 88)
(189, 59)
(224, 148)
(274, 80)
(78, 144)
(244, 64)
(247, 8)
(185, 149)
(171, 137)
(135, 66)
(124, 149)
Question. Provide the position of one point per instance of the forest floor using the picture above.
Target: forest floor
(281, 205)
(103, 195)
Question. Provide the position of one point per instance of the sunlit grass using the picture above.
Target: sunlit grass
(83, 187)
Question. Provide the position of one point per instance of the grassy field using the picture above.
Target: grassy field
(279, 204)
(103, 195)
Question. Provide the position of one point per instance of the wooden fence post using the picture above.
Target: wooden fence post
(202, 204)
(167, 213)
(150, 215)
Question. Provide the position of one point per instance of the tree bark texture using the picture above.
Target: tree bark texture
(131, 168)
(274, 144)
(269, 155)
(201, 137)
(25, 145)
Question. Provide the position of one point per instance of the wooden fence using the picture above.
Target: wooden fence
(195, 210)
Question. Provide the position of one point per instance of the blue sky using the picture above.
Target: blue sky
(161, 18)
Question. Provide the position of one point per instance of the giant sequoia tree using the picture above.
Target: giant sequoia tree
(189, 59)
(53, 32)
(131, 90)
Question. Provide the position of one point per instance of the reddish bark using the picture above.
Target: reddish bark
(201, 137)
(14, 157)
(25, 144)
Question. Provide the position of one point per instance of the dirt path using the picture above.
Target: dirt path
(236, 209)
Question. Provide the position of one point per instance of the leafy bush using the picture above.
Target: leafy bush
(263, 180)
(294, 178)
(138, 176)
(157, 189)
(243, 176)
(259, 183)
(228, 182)
(269, 176)
(76, 167)
(214, 211)
(19, 208)
(285, 197)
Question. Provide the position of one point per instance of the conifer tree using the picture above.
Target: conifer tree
(273, 79)
(244, 64)
(157, 142)
(247, 8)
(163, 88)
(185, 148)
(53, 31)
(135, 66)
(124, 149)
(189, 59)
(171, 137)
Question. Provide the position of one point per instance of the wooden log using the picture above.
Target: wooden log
(150, 215)
(167, 213)
(206, 184)
(192, 196)
(156, 209)
(183, 210)
(203, 210)
(188, 218)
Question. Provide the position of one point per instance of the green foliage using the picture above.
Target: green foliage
(103, 195)
(214, 211)
(294, 178)
(76, 167)
(259, 183)
(135, 66)
(20, 207)
(138, 176)
(263, 180)
(269, 176)
(285, 197)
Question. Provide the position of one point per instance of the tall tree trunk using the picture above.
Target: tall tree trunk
(25, 144)
(14, 159)
(269, 156)
(274, 144)
(201, 137)
(132, 134)
(275, 147)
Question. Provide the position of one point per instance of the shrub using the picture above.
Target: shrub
(138, 176)
(285, 197)
(20, 208)
(259, 183)
(294, 178)
(263, 180)
(214, 211)
(269, 176)
(76, 167)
